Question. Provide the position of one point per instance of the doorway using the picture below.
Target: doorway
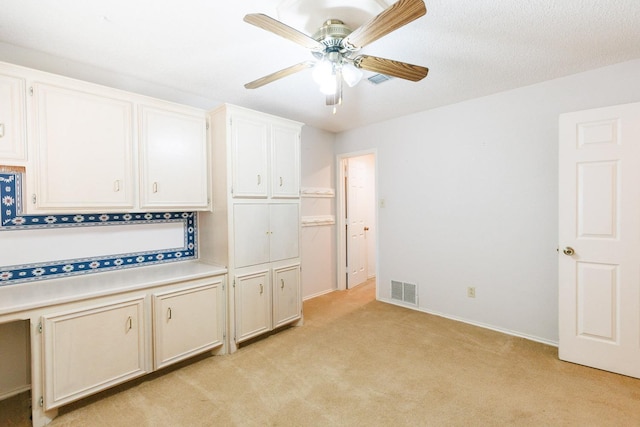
(356, 219)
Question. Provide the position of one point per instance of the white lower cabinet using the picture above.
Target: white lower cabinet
(253, 305)
(186, 322)
(266, 300)
(91, 349)
(287, 303)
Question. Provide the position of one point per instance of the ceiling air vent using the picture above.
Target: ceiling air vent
(376, 79)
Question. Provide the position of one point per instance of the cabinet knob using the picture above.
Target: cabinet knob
(155, 187)
(261, 289)
(169, 313)
(259, 179)
(1, 130)
(116, 185)
(129, 323)
(281, 283)
(280, 181)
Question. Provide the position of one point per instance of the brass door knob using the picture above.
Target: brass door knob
(568, 251)
(366, 229)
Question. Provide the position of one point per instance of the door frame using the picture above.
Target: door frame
(341, 234)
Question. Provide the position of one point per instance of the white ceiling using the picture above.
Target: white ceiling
(203, 47)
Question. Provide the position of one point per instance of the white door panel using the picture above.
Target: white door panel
(285, 165)
(251, 234)
(599, 218)
(284, 231)
(249, 146)
(356, 220)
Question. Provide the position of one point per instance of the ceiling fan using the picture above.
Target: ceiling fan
(335, 47)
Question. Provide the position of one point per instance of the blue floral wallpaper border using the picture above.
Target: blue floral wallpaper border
(11, 218)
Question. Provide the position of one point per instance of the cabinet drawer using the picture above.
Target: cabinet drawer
(187, 322)
(89, 350)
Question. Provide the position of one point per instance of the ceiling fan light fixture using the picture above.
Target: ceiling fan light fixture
(323, 71)
(330, 86)
(334, 46)
(351, 74)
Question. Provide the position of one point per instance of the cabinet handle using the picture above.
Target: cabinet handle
(1, 130)
(155, 187)
(116, 185)
(129, 323)
(280, 181)
(259, 179)
(169, 313)
(281, 283)
(261, 289)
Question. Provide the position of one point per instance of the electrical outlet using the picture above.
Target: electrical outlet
(471, 292)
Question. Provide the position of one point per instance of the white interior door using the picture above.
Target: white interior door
(599, 238)
(356, 222)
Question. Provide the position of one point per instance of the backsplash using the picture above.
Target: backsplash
(11, 219)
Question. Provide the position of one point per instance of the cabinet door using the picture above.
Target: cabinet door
(12, 118)
(285, 166)
(249, 146)
(253, 305)
(84, 150)
(90, 350)
(286, 295)
(187, 322)
(173, 158)
(284, 227)
(251, 234)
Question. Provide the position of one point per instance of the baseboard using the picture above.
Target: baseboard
(327, 291)
(474, 323)
(8, 394)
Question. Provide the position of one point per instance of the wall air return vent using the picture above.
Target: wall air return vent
(405, 292)
(377, 79)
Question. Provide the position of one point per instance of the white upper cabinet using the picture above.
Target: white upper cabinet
(84, 146)
(88, 148)
(249, 144)
(12, 118)
(265, 155)
(173, 157)
(285, 163)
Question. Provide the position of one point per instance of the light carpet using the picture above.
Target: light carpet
(360, 362)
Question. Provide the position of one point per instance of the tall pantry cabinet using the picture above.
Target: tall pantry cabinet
(254, 226)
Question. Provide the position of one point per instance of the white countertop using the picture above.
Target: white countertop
(27, 296)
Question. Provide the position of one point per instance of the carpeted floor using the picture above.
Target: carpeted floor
(360, 362)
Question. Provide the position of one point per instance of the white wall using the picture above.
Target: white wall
(471, 199)
(318, 243)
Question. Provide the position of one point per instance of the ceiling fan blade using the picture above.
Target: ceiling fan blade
(392, 18)
(390, 67)
(276, 27)
(279, 74)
